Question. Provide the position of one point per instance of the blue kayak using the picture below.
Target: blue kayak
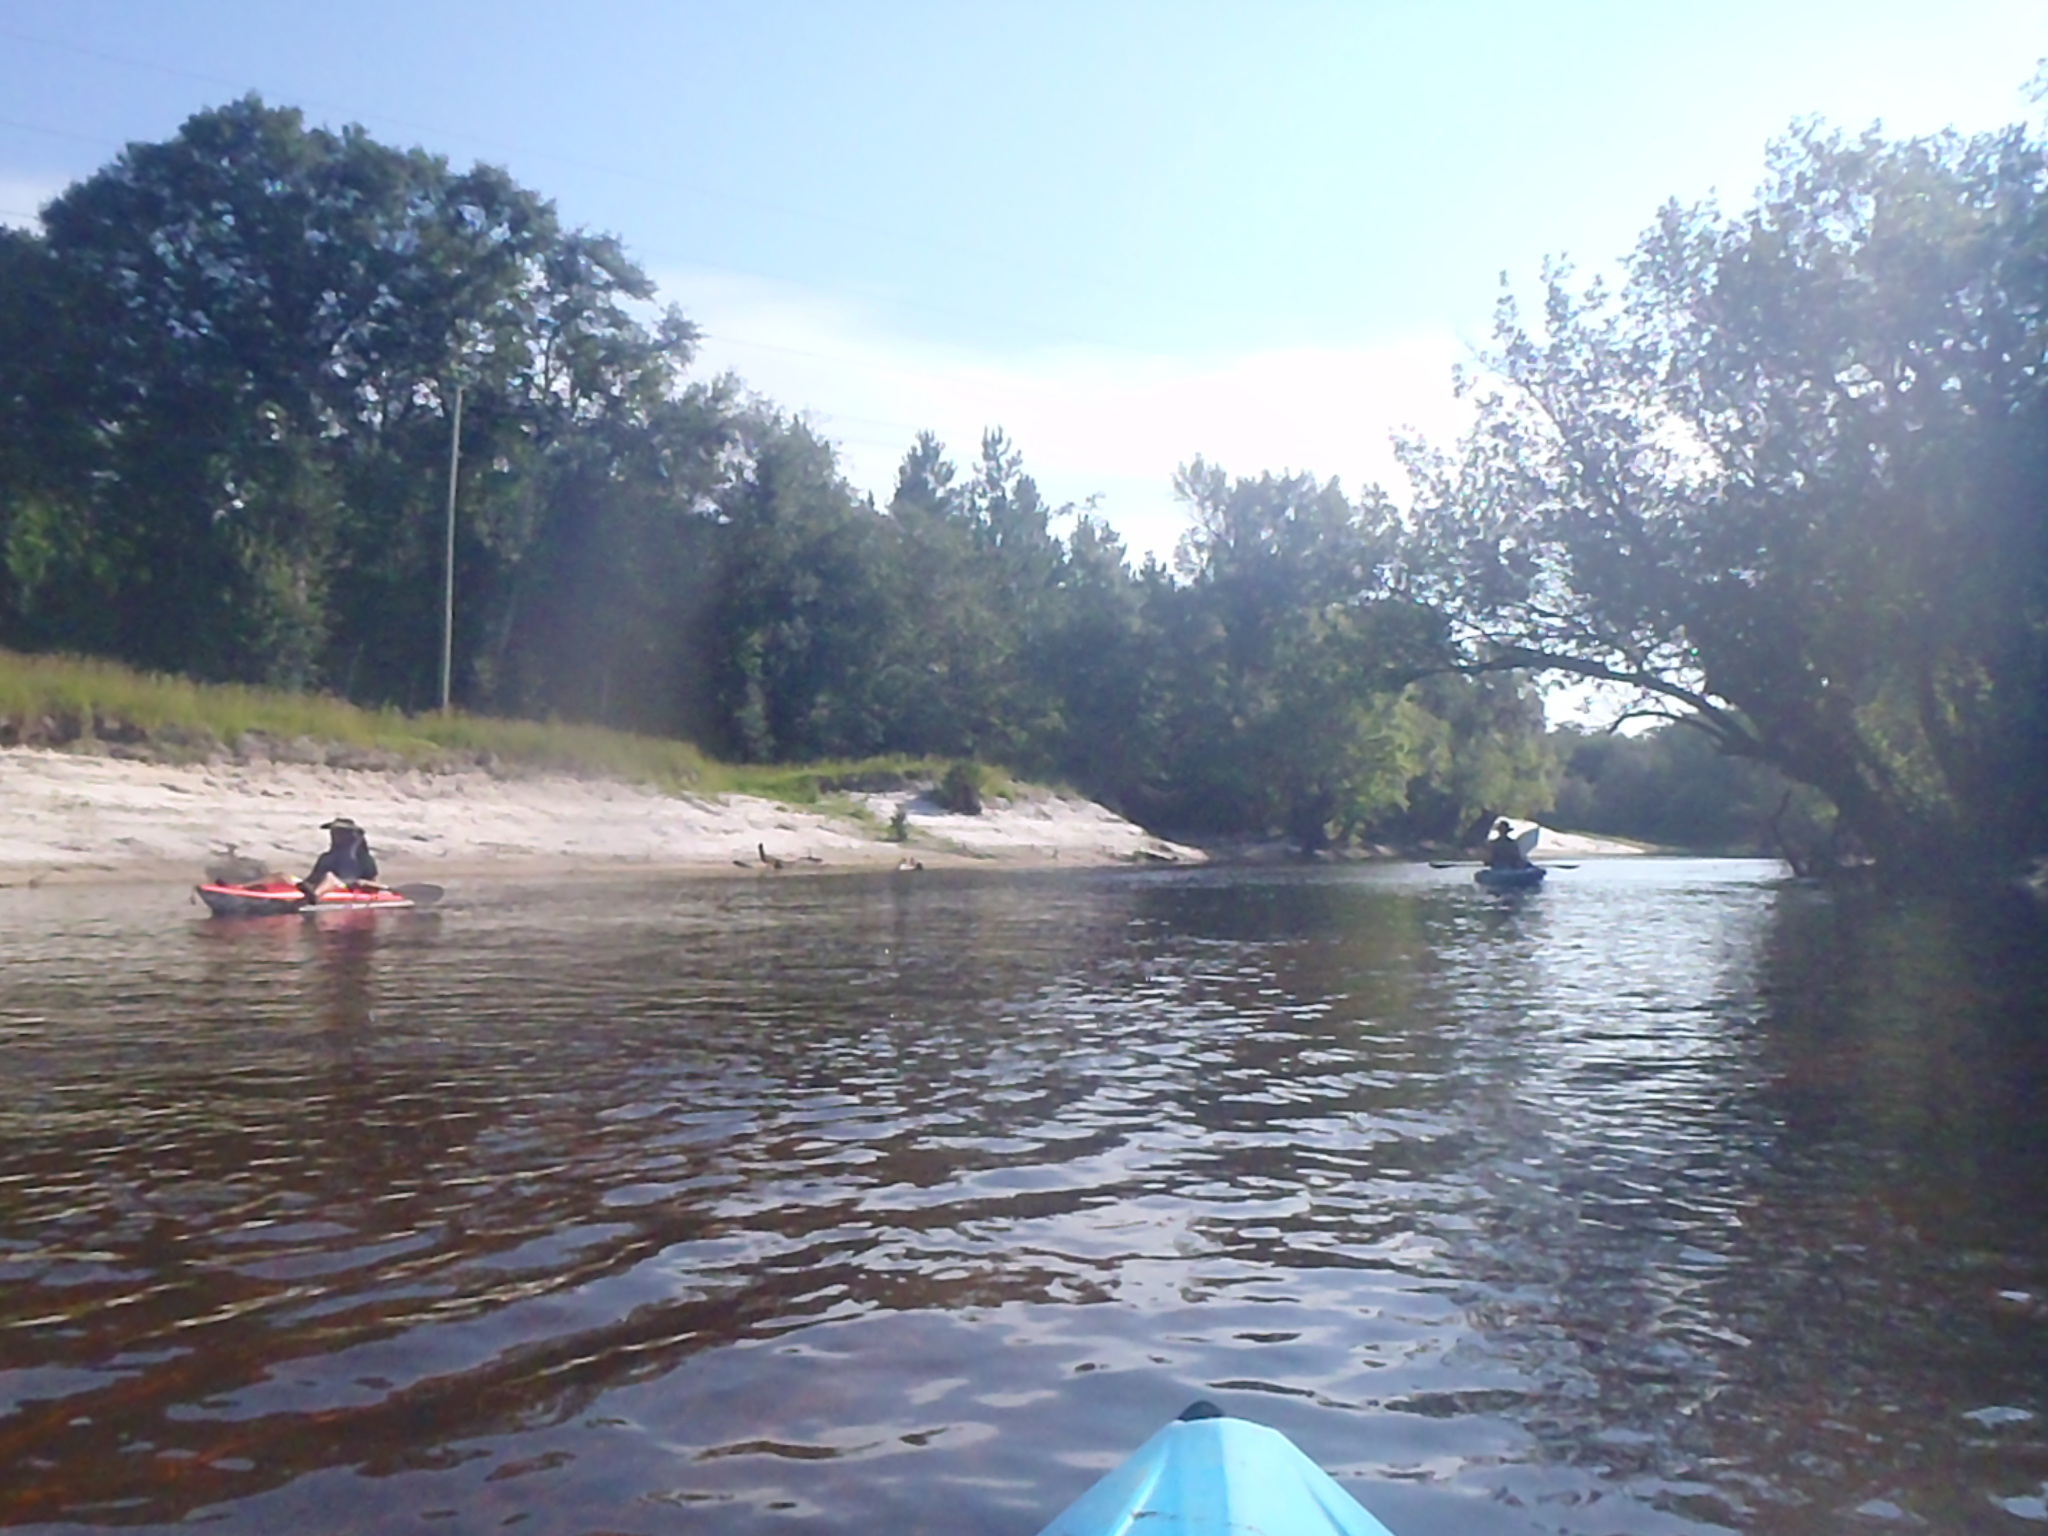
(1512, 879)
(1207, 1475)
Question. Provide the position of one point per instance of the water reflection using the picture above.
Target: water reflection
(1657, 1200)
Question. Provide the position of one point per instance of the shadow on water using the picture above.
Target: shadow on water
(1658, 1200)
(1893, 1281)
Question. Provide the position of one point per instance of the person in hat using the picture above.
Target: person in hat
(347, 861)
(1502, 851)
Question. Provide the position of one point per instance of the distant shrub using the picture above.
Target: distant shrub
(881, 780)
(899, 825)
(960, 790)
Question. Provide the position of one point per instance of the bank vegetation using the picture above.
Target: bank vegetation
(1783, 481)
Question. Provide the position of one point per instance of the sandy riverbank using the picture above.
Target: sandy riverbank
(1553, 845)
(71, 817)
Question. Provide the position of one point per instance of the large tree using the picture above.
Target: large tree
(1279, 659)
(237, 356)
(1789, 482)
(978, 566)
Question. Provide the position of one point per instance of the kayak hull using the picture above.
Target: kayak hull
(1512, 879)
(1216, 1477)
(280, 898)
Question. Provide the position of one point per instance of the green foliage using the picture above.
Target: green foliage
(237, 352)
(1273, 668)
(1788, 483)
(1478, 749)
(798, 601)
(980, 605)
(1674, 787)
(228, 369)
(960, 790)
(102, 697)
(98, 697)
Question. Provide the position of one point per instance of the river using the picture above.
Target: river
(1667, 1199)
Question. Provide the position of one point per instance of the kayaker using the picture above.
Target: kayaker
(1502, 851)
(347, 861)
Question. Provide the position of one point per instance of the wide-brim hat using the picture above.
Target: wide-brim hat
(339, 824)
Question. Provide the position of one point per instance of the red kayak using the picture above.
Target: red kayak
(270, 898)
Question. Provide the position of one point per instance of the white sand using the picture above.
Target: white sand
(1553, 844)
(74, 816)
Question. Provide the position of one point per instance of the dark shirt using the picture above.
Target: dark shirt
(1505, 853)
(348, 864)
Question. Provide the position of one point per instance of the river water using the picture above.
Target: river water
(1667, 1199)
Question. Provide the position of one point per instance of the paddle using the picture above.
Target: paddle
(1526, 840)
(420, 895)
(1468, 863)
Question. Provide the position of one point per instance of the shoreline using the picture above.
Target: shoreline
(69, 817)
(74, 818)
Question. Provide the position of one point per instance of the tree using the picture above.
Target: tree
(1281, 659)
(1478, 750)
(1788, 483)
(973, 658)
(1671, 786)
(802, 602)
(610, 618)
(240, 348)
(1089, 657)
(936, 661)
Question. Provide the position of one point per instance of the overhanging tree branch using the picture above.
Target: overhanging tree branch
(1726, 727)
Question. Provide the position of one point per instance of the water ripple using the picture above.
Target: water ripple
(1652, 1202)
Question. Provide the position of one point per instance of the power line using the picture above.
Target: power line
(893, 301)
(870, 421)
(850, 362)
(693, 189)
(867, 364)
(643, 253)
(55, 133)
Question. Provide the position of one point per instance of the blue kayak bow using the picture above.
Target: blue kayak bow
(1208, 1475)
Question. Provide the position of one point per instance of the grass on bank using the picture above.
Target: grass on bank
(63, 700)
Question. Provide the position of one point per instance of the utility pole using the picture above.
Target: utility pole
(448, 586)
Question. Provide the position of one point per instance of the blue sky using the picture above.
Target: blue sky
(1129, 233)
